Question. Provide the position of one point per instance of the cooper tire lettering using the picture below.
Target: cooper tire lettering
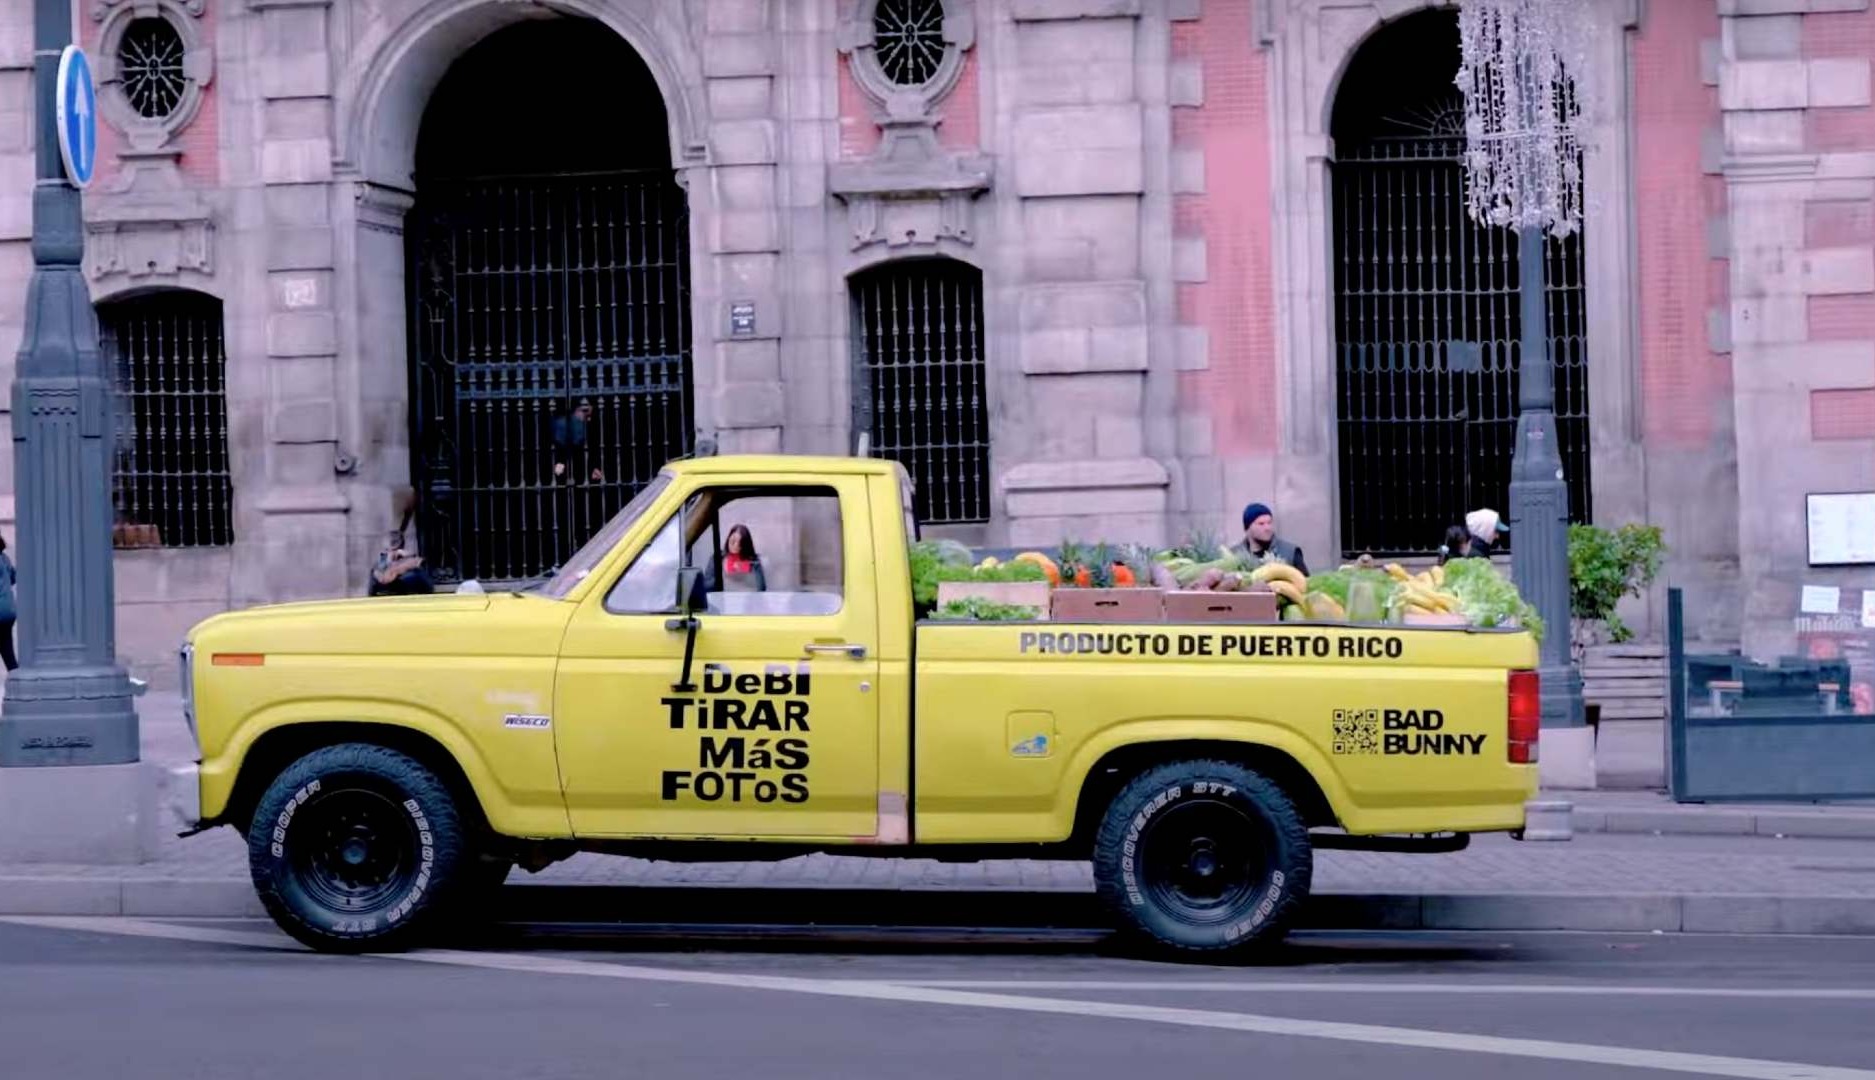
(1257, 839)
(403, 874)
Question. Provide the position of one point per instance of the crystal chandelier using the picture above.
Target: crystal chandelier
(1526, 114)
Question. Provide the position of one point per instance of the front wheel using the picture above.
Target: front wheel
(355, 848)
(1203, 856)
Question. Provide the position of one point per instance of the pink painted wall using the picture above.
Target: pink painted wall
(200, 162)
(1683, 382)
(1235, 304)
(1847, 35)
(958, 130)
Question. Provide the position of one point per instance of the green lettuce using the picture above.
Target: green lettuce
(1488, 598)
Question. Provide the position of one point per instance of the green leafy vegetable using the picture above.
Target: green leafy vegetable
(928, 557)
(1009, 571)
(979, 610)
(1336, 583)
(1488, 598)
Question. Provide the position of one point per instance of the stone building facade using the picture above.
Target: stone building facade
(1100, 268)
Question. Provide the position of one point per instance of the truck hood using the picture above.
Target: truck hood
(449, 624)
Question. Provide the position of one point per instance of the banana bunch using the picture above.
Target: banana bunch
(1284, 580)
(1422, 593)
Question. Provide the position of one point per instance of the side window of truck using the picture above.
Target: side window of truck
(762, 550)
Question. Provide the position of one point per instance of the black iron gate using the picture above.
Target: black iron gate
(920, 390)
(550, 339)
(1427, 329)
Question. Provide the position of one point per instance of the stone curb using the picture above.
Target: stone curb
(1841, 824)
(1066, 909)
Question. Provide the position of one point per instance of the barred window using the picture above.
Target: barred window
(920, 382)
(170, 486)
(150, 62)
(908, 36)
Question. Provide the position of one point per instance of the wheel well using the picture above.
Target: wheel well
(1113, 771)
(281, 747)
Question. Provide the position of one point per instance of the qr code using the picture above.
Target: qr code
(1357, 731)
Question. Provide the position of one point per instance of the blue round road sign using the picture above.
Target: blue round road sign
(77, 116)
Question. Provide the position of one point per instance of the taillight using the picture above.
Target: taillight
(1526, 715)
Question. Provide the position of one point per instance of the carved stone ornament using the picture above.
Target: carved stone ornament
(154, 64)
(907, 55)
(151, 235)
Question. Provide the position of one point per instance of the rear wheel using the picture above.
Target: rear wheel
(356, 848)
(1203, 856)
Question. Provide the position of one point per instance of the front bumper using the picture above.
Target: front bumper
(183, 794)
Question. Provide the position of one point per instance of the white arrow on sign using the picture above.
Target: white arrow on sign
(82, 109)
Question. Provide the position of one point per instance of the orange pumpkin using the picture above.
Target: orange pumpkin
(1123, 576)
(1082, 579)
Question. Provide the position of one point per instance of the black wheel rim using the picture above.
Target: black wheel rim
(1204, 860)
(353, 849)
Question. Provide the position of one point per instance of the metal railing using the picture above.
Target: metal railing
(170, 485)
(1427, 328)
(920, 382)
(531, 297)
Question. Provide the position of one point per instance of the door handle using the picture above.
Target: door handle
(857, 652)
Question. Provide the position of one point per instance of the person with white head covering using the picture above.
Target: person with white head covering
(1484, 527)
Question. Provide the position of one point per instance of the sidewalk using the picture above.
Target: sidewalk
(1638, 862)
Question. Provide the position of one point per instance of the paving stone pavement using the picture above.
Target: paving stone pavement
(1591, 864)
(1588, 864)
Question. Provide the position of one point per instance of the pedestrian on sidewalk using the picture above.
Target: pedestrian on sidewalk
(1485, 527)
(9, 614)
(1457, 545)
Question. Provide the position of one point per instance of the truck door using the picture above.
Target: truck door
(776, 734)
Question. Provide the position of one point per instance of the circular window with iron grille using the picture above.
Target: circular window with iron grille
(908, 38)
(149, 60)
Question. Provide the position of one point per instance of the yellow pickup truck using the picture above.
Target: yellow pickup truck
(391, 759)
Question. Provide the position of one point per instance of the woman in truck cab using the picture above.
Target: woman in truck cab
(739, 568)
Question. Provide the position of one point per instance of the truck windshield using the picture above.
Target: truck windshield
(575, 569)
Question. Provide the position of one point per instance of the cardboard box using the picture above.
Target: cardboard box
(1032, 594)
(1442, 618)
(1108, 605)
(1201, 605)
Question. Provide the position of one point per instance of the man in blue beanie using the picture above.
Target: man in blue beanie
(1260, 542)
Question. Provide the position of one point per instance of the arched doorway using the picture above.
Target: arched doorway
(549, 297)
(1426, 307)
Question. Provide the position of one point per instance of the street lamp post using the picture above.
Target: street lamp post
(1524, 123)
(1539, 493)
(69, 704)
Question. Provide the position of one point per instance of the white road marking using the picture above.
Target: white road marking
(1854, 993)
(1586, 1053)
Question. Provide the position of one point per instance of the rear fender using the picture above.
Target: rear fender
(1144, 733)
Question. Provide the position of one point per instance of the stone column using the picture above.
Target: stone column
(1076, 134)
(1805, 399)
(303, 510)
(736, 231)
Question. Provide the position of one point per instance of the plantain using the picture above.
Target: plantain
(1438, 576)
(1275, 571)
(1288, 592)
(1397, 572)
(1323, 606)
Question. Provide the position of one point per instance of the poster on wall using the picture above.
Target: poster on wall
(1841, 528)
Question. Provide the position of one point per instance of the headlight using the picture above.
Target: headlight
(188, 691)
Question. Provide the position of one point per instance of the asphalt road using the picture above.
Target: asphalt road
(115, 999)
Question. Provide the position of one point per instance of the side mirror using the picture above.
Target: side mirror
(692, 595)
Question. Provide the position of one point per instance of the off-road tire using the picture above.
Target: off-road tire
(1180, 831)
(357, 848)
